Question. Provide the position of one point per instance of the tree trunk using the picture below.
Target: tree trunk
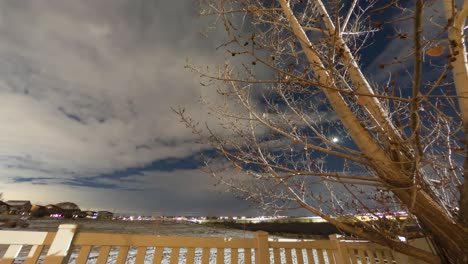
(449, 236)
(456, 36)
(463, 217)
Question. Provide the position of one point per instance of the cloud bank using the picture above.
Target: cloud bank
(86, 89)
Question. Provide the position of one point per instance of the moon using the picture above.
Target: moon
(335, 139)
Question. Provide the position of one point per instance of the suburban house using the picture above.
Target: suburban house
(38, 210)
(53, 209)
(4, 207)
(19, 207)
(89, 214)
(68, 209)
(105, 215)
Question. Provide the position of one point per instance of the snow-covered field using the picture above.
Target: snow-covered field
(156, 227)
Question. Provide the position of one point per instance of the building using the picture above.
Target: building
(105, 215)
(89, 214)
(68, 209)
(38, 210)
(19, 207)
(4, 208)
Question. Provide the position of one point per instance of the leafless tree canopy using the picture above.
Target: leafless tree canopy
(300, 124)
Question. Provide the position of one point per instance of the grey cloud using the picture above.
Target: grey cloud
(85, 84)
(178, 193)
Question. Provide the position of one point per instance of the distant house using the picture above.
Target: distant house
(19, 207)
(68, 209)
(53, 209)
(38, 210)
(105, 215)
(89, 214)
(4, 208)
(79, 214)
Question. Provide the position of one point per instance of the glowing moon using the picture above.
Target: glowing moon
(335, 140)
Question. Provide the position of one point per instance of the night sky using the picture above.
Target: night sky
(86, 89)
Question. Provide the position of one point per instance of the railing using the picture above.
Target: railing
(69, 246)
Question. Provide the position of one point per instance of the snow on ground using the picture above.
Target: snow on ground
(156, 227)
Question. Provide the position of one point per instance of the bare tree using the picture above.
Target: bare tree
(301, 124)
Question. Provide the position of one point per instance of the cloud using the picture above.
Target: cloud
(173, 193)
(86, 89)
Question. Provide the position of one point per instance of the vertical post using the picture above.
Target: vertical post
(11, 253)
(262, 252)
(58, 251)
(340, 251)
